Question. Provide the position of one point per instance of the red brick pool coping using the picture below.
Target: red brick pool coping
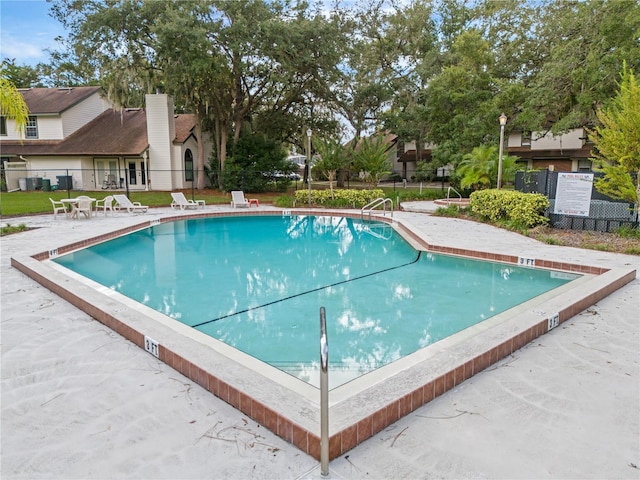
(351, 431)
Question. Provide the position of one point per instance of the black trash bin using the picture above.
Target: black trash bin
(65, 182)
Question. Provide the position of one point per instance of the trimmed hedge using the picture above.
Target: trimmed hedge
(341, 198)
(515, 208)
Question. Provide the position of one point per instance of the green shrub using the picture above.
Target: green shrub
(448, 211)
(341, 198)
(413, 194)
(283, 201)
(627, 231)
(9, 229)
(517, 209)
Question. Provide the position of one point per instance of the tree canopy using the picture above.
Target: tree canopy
(617, 142)
(433, 72)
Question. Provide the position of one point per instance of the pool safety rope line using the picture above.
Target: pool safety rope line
(308, 291)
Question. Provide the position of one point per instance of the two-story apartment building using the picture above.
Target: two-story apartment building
(568, 152)
(77, 134)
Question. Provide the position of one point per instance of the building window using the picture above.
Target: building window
(188, 166)
(32, 127)
(584, 165)
(3, 126)
(526, 139)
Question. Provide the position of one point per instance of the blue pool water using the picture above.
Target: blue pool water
(257, 283)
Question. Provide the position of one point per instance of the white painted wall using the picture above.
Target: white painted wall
(161, 132)
(57, 127)
(539, 141)
(570, 140)
(514, 139)
(49, 127)
(179, 152)
(83, 112)
(79, 168)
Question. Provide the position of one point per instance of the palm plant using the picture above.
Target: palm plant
(371, 158)
(479, 169)
(333, 157)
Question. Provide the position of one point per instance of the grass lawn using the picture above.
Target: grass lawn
(36, 201)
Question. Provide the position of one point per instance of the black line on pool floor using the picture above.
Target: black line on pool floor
(307, 292)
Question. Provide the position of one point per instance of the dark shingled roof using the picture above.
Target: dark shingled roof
(55, 100)
(185, 124)
(113, 133)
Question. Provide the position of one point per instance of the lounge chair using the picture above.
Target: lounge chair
(106, 204)
(181, 202)
(123, 202)
(58, 207)
(238, 200)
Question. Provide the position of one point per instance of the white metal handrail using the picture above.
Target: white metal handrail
(449, 191)
(376, 203)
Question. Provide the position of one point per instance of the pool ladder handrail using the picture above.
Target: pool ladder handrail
(369, 207)
(457, 193)
(386, 229)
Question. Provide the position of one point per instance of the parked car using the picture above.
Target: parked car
(278, 174)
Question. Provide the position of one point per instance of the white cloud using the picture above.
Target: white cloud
(19, 49)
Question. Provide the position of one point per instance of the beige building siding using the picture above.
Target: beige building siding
(58, 127)
(569, 141)
(82, 113)
(49, 127)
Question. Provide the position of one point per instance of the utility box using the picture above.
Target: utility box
(46, 184)
(65, 182)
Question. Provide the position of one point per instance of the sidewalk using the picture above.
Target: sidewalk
(79, 401)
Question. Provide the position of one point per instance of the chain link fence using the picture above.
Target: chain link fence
(605, 213)
(15, 176)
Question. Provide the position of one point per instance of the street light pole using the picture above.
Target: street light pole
(309, 163)
(503, 122)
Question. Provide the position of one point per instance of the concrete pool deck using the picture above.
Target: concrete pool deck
(78, 401)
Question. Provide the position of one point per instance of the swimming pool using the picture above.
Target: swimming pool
(362, 407)
(257, 283)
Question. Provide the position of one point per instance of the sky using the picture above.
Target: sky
(26, 30)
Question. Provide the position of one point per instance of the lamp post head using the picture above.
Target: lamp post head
(503, 120)
(309, 132)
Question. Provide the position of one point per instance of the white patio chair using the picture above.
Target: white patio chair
(83, 206)
(58, 207)
(106, 204)
(181, 202)
(123, 202)
(238, 200)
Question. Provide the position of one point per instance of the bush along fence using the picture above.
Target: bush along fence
(517, 209)
(604, 214)
(340, 197)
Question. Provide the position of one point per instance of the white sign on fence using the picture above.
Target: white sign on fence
(573, 194)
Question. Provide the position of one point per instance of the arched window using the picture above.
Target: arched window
(188, 165)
